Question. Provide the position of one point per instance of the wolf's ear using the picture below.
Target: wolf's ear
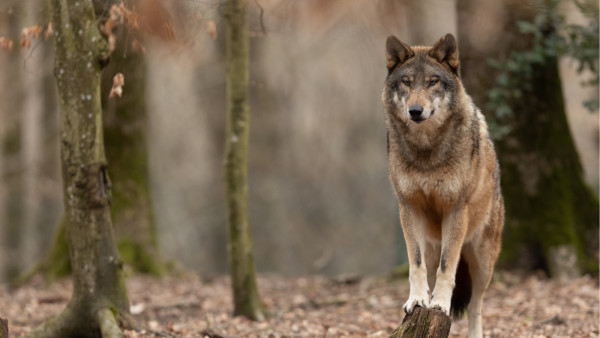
(397, 52)
(445, 51)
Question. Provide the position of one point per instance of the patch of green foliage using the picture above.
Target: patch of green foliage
(552, 39)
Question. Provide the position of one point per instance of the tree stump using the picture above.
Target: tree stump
(424, 323)
(3, 328)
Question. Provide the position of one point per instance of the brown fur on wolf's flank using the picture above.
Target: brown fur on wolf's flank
(443, 168)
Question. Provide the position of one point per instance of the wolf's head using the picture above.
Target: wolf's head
(422, 82)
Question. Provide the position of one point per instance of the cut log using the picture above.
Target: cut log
(424, 323)
(3, 328)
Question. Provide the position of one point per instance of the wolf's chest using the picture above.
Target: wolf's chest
(432, 190)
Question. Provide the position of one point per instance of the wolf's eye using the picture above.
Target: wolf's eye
(406, 82)
(433, 82)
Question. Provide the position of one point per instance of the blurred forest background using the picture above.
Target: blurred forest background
(320, 198)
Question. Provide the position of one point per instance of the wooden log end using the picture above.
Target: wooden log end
(424, 323)
(3, 328)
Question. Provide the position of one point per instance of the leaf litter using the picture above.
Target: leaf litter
(516, 305)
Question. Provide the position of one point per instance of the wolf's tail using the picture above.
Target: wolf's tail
(461, 295)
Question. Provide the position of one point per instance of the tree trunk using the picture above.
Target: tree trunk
(241, 261)
(125, 126)
(424, 323)
(32, 138)
(12, 155)
(551, 215)
(99, 300)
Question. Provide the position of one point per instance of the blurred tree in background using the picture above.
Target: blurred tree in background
(552, 214)
(30, 198)
(13, 201)
(241, 256)
(125, 134)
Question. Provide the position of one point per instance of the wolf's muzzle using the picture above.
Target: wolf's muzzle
(415, 111)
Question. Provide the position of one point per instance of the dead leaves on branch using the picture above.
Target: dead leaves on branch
(212, 29)
(152, 18)
(136, 46)
(49, 30)
(117, 87)
(28, 35)
(6, 43)
(146, 17)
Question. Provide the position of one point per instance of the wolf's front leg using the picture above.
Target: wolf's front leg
(414, 236)
(454, 230)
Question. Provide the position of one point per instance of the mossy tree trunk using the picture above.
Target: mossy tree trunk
(241, 259)
(552, 215)
(424, 323)
(99, 302)
(125, 127)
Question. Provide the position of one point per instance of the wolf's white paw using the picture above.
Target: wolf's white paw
(439, 306)
(419, 289)
(413, 302)
(442, 297)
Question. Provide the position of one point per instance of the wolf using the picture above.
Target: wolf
(444, 170)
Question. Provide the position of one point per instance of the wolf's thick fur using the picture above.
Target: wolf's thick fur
(443, 167)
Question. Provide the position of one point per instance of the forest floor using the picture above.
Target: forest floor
(316, 306)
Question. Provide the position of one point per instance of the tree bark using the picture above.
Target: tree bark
(3, 328)
(424, 323)
(241, 259)
(99, 300)
(551, 214)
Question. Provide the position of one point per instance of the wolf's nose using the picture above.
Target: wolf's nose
(415, 110)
